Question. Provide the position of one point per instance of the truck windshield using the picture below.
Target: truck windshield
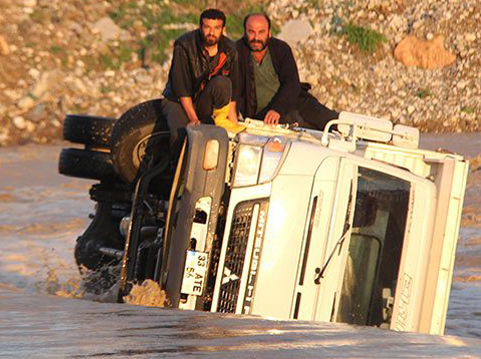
(375, 249)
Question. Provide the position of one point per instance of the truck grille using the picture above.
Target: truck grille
(235, 255)
(234, 260)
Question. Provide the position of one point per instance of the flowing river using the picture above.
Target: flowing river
(41, 316)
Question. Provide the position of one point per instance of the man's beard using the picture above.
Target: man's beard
(263, 45)
(210, 40)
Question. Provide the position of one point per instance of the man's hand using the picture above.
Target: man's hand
(189, 109)
(272, 117)
(193, 122)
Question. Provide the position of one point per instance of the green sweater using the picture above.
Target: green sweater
(266, 81)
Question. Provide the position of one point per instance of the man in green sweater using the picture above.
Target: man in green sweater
(269, 86)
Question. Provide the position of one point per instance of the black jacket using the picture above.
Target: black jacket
(285, 66)
(191, 68)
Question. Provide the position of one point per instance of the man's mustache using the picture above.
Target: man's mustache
(211, 39)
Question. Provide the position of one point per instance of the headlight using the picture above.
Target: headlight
(261, 157)
(211, 155)
(247, 166)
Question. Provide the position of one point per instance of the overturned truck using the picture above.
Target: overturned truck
(355, 224)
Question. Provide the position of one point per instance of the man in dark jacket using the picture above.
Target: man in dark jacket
(269, 86)
(202, 84)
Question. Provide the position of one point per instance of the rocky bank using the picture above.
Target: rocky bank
(58, 57)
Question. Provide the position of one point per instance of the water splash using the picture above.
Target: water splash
(149, 294)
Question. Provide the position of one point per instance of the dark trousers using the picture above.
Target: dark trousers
(308, 113)
(216, 94)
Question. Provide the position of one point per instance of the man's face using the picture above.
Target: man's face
(211, 31)
(257, 32)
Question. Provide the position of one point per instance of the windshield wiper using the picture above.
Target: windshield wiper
(320, 272)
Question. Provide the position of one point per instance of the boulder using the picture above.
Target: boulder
(294, 31)
(429, 54)
(47, 81)
(37, 114)
(108, 29)
(470, 37)
(19, 122)
(26, 103)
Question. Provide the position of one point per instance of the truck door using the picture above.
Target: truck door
(387, 245)
(374, 248)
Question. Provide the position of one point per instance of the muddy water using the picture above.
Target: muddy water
(51, 327)
(41, 214)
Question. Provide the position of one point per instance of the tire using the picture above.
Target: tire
(139, 131)
(88, 130)
(86, 164)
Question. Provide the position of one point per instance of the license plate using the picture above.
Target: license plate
(194, 273)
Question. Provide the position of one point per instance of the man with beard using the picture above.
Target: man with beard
(202, 83)
(269, 86)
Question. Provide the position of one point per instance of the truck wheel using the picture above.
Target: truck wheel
(87, 254)
(140, 131)
(86, 164)
(88, 130)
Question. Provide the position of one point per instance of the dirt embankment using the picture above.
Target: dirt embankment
(59, 57)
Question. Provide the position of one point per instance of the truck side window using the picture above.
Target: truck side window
(375, 249)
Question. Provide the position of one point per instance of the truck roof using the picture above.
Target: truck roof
(369, 137)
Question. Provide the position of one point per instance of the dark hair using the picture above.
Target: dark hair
(258, 14)
(212, 14)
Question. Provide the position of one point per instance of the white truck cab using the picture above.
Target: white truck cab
(357, 226)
